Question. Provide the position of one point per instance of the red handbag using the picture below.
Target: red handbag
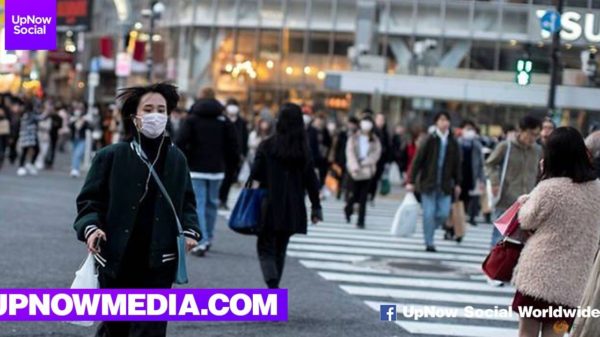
(502, 259)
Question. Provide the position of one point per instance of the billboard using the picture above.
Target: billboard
(74, 14)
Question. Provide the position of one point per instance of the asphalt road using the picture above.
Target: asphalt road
(38, 249)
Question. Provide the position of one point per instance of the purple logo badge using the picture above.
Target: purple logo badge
(30, 27)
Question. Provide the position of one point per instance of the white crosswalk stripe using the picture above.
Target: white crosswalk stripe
(381, 269)
(356, 260)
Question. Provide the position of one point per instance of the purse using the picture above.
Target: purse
(181, 276)
(503, 258)
(246, 215)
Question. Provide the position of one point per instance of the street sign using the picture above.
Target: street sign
(550, 21)
(123, 68)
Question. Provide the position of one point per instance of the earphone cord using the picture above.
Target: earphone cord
(152, 166)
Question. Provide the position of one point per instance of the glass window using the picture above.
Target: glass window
(226, 12)
(401, 18)
(271, 13)
(346, 16)
(485, 21)
(248, 13)
(320, 17)
(296, 14)
(429, 17)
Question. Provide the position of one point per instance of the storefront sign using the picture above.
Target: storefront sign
(74, 13)
(576, 26)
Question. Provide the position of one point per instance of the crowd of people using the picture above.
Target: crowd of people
(193, 158)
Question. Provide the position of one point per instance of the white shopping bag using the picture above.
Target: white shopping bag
(86, 278)
(405, 220)
(244, 172)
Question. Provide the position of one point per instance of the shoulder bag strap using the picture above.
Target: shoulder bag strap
(504, 168)
(144, 158)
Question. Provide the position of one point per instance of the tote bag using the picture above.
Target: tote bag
(246, 215)
(405, 220)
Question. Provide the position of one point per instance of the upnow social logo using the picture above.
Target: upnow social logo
(30, 24)
(387, 312)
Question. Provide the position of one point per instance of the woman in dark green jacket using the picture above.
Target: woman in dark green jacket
(122, 215)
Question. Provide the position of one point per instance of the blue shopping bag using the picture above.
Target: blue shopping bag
(246, 215)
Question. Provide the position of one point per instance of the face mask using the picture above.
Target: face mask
(366, 126)
(469, 134)
(153, 124)
(306, 119)
(232, 110)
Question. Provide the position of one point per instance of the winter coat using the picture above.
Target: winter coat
(477, 171)
(521, 172)
(286, 185)
(586, 326)
(208, 139)
(365, 169)
(110, 196)
(241, 132)
(557, 259)
(424, 167)
(28, 132)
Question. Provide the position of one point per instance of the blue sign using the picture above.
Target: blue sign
(550, 21)
(387, 312)
(95, 65)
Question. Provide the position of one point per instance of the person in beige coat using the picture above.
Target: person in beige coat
(562, 214)
(363, 150)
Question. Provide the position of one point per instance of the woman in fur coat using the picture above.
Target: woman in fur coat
(562, 213)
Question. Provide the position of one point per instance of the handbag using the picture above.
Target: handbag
(181, 276)
(246, 215)
(503, 258)
(458, 219)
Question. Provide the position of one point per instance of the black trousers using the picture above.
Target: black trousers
(136, 278)
(35, 150)
(49, 160)
(3, 147)
(271, 247)
(360, 193)
(375, 181)
(230, 179)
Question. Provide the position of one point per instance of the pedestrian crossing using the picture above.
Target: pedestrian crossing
(380, 269)
(361, 263)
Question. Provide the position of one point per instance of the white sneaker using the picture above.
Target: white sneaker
(39, 165)
(21, 172)
(75, 173)
(31, 169)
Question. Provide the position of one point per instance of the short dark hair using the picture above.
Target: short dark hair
(130, 99)
(353, 120)
(565, 155)
(508, 128)
(468, 122)
(368, 111)
(530, 123)
(440, 115)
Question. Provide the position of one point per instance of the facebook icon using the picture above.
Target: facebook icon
(387, 312)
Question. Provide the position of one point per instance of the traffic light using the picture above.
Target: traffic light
(523, 75)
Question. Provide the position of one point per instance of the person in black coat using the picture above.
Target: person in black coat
(122, 215)
(319, 142)
(232, 110)
(284, 167)
(208, 140)
(381, 131)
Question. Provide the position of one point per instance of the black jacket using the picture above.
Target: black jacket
(241, 131)
(424, 167)
(208, 139)
(109, 199)
(286, 188)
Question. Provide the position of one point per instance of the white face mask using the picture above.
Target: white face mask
(153, 124)
(469, 134)
(366, 126)
(233, 110)
(307, 119)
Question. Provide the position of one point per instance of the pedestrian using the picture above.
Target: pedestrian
(4, 134)
(137, 244)
(319, 142)
(233, 113)
(79, 127)
(473, 180)
(363, 151)
(56, 123)
(562, 214)
(257, 136)
(340, 156)
(209, 142)
(284, 167)
(398, 150)
(592, 142)
(28, 140)
(382, 133)
(522, 155)
(436, 174)
(15, 112)
(513, 170)
(548, 127)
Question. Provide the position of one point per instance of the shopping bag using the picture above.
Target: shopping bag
(386, 186)
(246, 215)
(332, 183)
(405, 220)
(458, 218)
(86, 278)
(508, 222)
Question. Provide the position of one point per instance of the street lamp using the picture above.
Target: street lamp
(154, 13)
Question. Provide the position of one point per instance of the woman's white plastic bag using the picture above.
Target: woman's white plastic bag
(405, 220)
(86, 278)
